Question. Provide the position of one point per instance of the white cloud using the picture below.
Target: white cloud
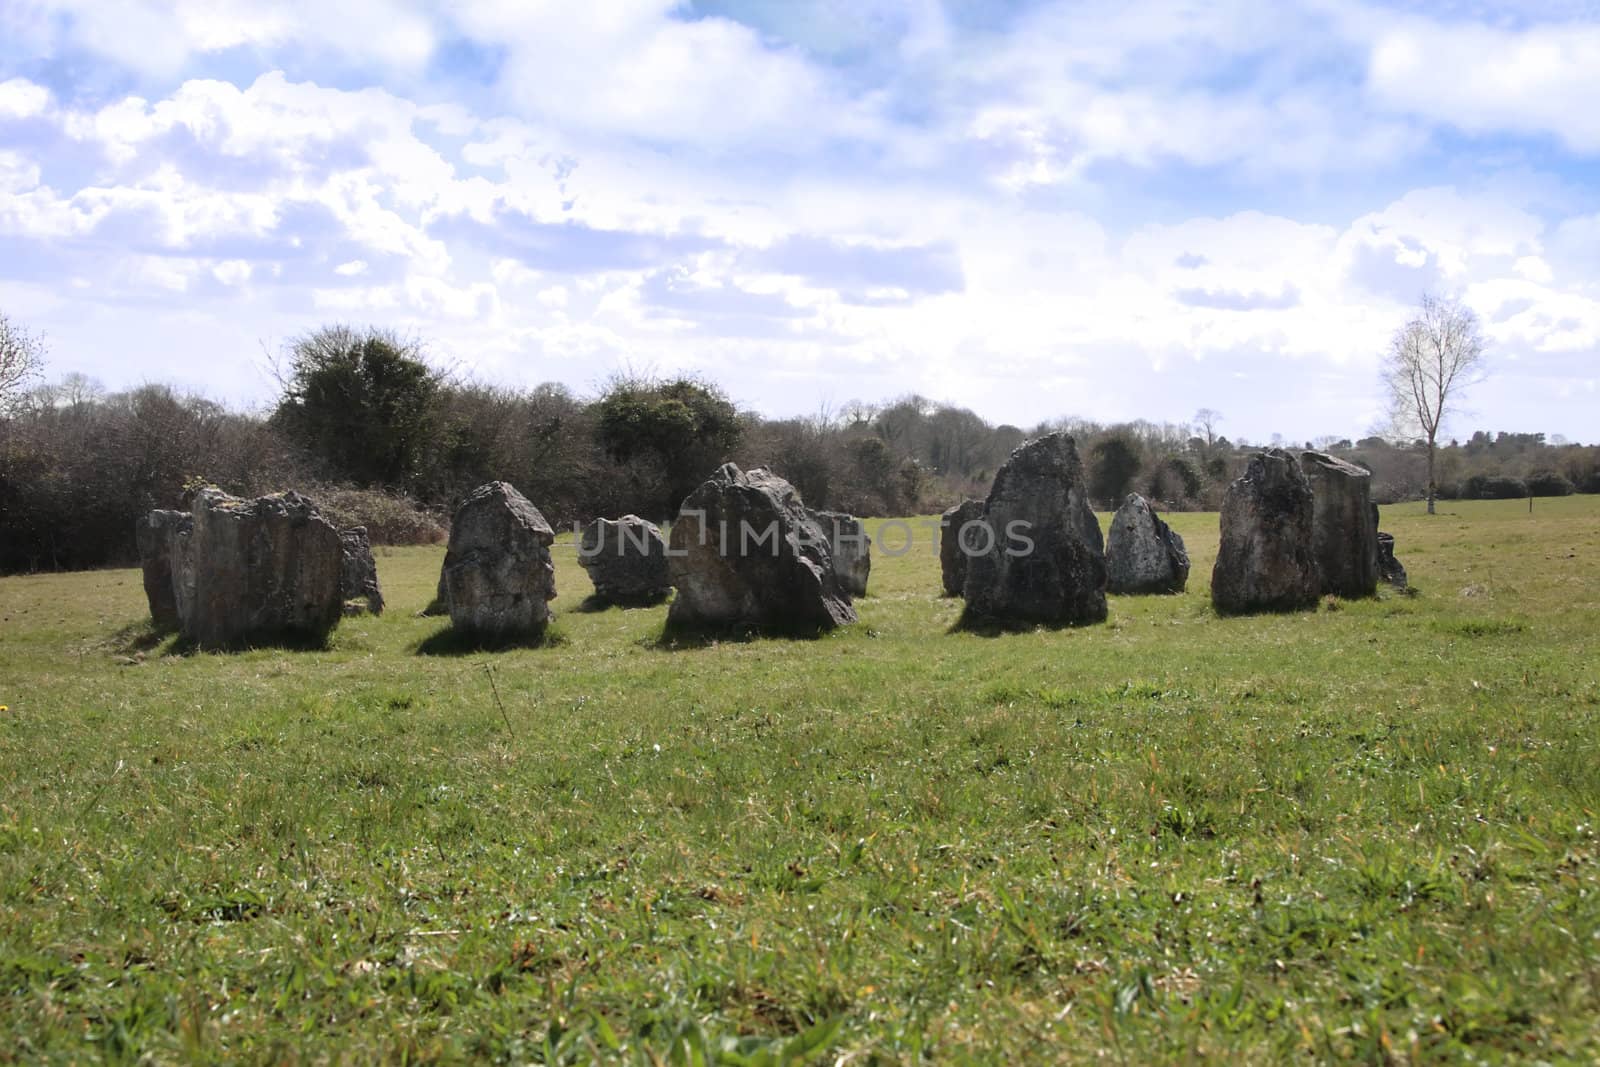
(1481, 79)
(22, 99)
(161, 38)
(232, 272)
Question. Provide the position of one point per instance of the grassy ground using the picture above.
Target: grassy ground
(1366, 832)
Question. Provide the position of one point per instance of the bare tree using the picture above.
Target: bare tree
(21, 359)
(1430, 360)
(1206, 420)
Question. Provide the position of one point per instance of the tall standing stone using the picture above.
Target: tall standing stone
(358, 578)
(1044, 556)
(1345, 537)
(153, 534)
(249, 570)
(1267, 558)
(1144, 554)
(744, 552)
(498, 576)
(849, 546)
(626, 560)
(967, 515)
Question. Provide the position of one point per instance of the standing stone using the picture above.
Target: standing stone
(744, 552)
(1043, 557)
(263, 569)
(626, 560)
(1390, 569)
(154, 534)
(1144, 554)
(358, 576)
(498, 576)
(1345, 538)
(952, 555)
(849, 546)
(1267, 560)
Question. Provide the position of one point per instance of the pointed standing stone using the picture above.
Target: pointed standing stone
(1143, 554)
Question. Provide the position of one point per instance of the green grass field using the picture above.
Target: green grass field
(1367, 832)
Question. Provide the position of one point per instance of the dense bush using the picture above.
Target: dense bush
(380, 439)
(389, 519)
(1493, 487)
(1549, 483)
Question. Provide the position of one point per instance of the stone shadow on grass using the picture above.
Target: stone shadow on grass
(594, 603)
(682, 637)
(288, 641)
(144, 636)
(450, 641)
(971, 622)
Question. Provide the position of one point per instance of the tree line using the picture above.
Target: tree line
(381, 438)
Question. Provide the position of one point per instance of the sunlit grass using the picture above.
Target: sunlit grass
(1365, 832)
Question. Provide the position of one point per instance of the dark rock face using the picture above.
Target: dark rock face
(1044, 557)
(850, 548)
(1390, 569)
(154, 534)
(1267, 559)
(358, 576)
(952, 558)
(744, 552)
(498, 576)
(263, 569)
(626, 560)
(1143, 554)
(1344, 538)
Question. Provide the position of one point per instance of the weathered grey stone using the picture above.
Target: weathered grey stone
(498, 576)
(1267, 560)
(626, 559)
(744, 552)
(1344, 537)
(358, 575)
(1044, 556)
(254, 570)
(1144, 554)
(952, 557)
(850, 548)
(153, 534)
(1390, 569)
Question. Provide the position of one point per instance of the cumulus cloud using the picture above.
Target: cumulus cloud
(1483, 79)
(1034, 213)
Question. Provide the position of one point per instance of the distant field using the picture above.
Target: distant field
(1364, 832)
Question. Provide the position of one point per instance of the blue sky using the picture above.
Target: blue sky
(1035, 209)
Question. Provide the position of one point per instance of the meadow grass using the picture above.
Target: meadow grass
(1365, 832)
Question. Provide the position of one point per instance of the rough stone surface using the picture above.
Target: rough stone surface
(1144, 554)
(358, 576)
(744, 552)
(249, 570)
(1344, 538)
(1267, 559)
(154, 534)
(1390, 569)
(850, 548)
(952, 560)
(1044, 556)
(498, 576)
(626, 559)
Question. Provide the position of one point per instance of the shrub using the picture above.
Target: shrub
(1549, 483)
(1493, 487)
(389, 519)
